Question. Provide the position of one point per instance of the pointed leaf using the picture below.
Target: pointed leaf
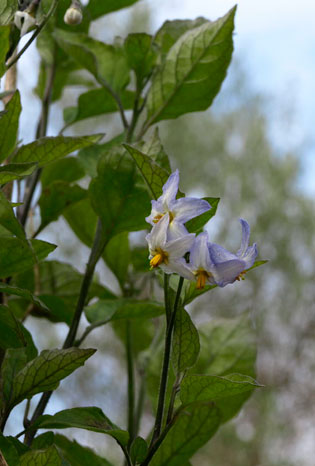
(213, 387)
(89, 418)
(48, 149)
(154, 176)
(14, 290)
(44, 372)
(9, 124)
(68, 170)
(14, 360)
(141, 55)
(13, 333)
(185, 345)
(192, 428)
(193, 71)
(16, 171)
(154, 148)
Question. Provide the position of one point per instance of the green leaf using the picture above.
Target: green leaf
(154, 148)
(96, 102)
(141, 55)
(43, 441)
(196, 224)
(191, 292)
(185, 345)
(106, 62)
(120, 309)
(44, 372)
(154, 176)
(4, 42)
(126, 204)
(171, 31)
(14, 360)
(193, 427)
(48, 457)
(9, 124)
(90, 156)
(193, 71)
(55, 198)
(68, 170)
(26, 294)
(84, 226)
(138, 450)
(90, 418)
(49, 149)
(117, 256)
(21, 256)
(76, 454)
(7, 218)
(7, 10)
(97, 8)
(8, 451)
(213, 387)
(16, 171)
(14, 334)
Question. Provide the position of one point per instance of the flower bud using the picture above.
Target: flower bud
(73, 15)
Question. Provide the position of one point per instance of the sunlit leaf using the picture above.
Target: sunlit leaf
(47, 457)
(193, 71)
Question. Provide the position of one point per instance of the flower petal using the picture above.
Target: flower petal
(157, 209)
(157, 237)
(245, 238)
(176, 230)
(170, 190)
(219, 254)
(228, 271)
(178, 247)
(250, 256)
(187, 208)
(178, 266)
(199, 254)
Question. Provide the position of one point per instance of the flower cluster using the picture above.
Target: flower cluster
(169, 241)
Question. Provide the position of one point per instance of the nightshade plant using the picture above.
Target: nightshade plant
(204, 375)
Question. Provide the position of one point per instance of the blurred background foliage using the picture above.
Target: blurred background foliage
(226, 152)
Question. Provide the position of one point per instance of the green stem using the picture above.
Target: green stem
(96, 252)
(173, 397)
(131, 383)
(168, 310)
(117, 99)
(166, 360)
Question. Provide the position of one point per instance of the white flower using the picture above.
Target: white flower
(169, 255)
(180, 210)
(24, 21)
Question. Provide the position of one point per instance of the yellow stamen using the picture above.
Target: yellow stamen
(202, 277)
(158, 258)
(157, 218)
(241, 276)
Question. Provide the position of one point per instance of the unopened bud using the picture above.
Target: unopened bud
(73, 14)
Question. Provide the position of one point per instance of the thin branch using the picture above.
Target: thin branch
(130, 382)
(117, 99)
(166, 360)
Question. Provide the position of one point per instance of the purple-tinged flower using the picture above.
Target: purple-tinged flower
(200, 264)
(228, 267)
(169, 255)
(180, 210)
